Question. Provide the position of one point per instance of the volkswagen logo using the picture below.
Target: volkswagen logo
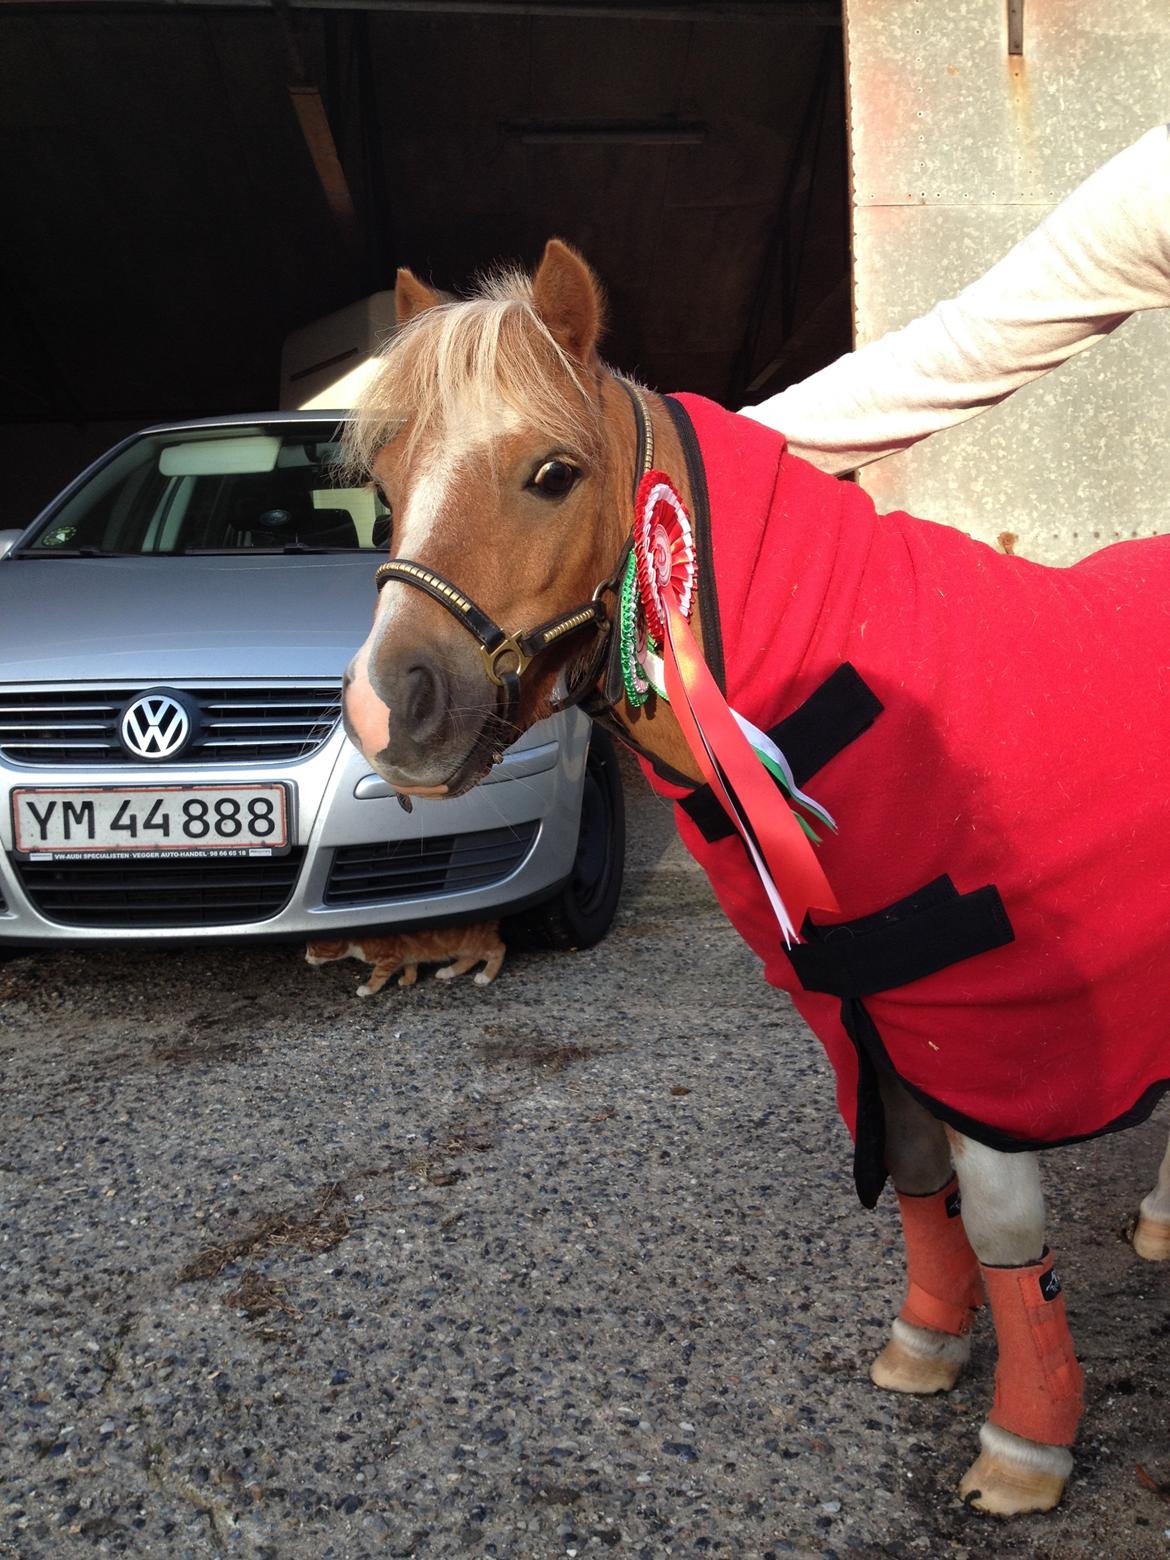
(155, 726)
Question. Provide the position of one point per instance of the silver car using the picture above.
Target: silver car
(173, 631)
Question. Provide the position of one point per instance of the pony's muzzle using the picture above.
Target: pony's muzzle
(428, 735)
(418, 720)
(424, 703)
(366, 717)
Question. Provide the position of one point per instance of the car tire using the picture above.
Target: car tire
(582, 911)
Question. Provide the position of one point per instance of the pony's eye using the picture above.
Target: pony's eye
(383, 517)
(554, 478)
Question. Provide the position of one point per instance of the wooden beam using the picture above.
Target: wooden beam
(314, 123)
(804, 13)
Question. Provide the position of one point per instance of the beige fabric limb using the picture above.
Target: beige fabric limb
(1101, 255)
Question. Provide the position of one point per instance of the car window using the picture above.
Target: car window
(257, 488)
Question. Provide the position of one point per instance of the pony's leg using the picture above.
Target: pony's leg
(928, 1345)
(1151, 1236)
(1025, 1459)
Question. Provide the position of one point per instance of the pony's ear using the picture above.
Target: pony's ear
(569, 300)
(411, 296)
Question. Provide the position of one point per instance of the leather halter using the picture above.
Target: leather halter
(506, 657)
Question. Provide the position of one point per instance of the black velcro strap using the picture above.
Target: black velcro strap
(926, 932)
(920, 935)
(827, 722)
(869, 1138)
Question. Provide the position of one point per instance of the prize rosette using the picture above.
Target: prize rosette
(664, 550)
(736, 760)
(633, 640)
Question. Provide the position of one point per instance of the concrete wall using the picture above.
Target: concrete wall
(958, 150)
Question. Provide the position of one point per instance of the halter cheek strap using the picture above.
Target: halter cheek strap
(506, 657)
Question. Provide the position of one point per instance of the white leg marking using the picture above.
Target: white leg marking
(926, 1344)
(1003, 1205)
(1055, 1460)
(1157, 1203)
(1151, 1238)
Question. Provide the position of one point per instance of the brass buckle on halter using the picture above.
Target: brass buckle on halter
(491, 659)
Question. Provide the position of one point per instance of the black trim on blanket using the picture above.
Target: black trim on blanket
(926, 932)
(701, 526)
(833, 716)
(1138, 1112)
(707, 594)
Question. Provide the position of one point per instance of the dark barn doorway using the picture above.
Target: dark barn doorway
(185, 184)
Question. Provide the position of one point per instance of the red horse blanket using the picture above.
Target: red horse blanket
(993, 739)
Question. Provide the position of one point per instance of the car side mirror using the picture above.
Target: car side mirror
(8, 540)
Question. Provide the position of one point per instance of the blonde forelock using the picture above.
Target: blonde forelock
(462, 373)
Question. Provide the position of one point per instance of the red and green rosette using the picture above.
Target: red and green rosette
(736, 760)
(664, 550)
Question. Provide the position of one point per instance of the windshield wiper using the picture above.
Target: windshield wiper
(257, 552)
(67, 552)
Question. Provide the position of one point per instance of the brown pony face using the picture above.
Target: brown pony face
(498, 482)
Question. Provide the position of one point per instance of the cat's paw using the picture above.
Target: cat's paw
(446, 973)
(482, 978)
(365, 991)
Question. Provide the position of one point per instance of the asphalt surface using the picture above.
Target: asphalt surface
(566, 1265)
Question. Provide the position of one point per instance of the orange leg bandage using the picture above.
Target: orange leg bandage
(944, 1290)
(1039, 1387)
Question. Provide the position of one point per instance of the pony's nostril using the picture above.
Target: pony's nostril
(425, 703)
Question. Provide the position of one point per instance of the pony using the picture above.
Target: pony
(985, 731)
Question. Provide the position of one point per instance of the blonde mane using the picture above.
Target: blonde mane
(464, 371)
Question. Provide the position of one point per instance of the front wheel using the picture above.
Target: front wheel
(581, 913)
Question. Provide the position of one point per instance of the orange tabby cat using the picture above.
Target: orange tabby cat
(405, 951)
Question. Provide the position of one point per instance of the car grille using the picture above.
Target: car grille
(139, 895)
(416, 869)
(239, 722)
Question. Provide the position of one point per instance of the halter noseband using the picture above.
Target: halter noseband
(506, 657)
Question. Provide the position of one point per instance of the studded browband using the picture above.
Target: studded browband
(506, 657)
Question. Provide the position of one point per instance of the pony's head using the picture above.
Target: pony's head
(485, 431)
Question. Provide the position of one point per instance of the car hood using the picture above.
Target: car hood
(166, 619)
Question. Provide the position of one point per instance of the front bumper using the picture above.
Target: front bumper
(358, 861)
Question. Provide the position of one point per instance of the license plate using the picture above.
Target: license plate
(151, 821)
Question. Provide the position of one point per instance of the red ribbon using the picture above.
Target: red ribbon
(738, 779)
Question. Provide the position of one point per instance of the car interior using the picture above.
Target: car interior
(168, 498)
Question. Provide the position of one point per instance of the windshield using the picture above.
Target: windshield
(256, 488)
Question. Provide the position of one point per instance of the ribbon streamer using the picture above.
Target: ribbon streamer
(735, 757)
(793, 878)
(774, 761)
(772, 758)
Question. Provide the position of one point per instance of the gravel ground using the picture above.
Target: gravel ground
(565, 1265)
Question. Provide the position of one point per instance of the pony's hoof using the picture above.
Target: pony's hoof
(1151, 1238)
(918, 1360)
(898, 1370)
(1012, 1477)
